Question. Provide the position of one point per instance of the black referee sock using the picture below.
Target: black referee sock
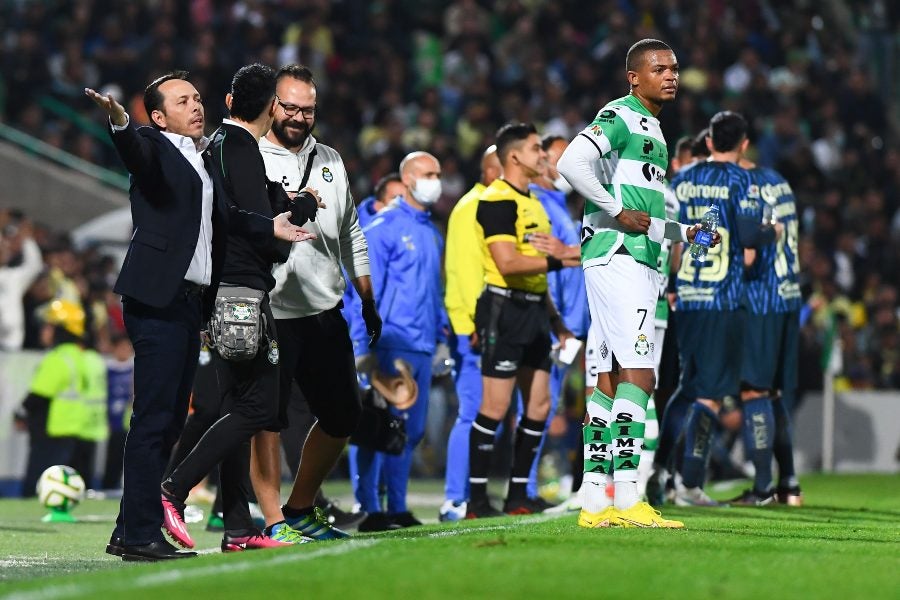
(528, 438)
(481, 448)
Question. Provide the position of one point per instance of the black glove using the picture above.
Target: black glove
(373, 321)
(303, 208)
(278, 198)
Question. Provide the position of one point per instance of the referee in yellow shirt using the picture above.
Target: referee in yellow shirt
(513, 318)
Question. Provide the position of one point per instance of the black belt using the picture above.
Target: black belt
(518, 295)
(189, 288)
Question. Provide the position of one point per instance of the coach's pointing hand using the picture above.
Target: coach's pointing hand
(115, 110)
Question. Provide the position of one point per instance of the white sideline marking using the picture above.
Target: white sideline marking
(36, 561)
(467, 530)
(177, 574)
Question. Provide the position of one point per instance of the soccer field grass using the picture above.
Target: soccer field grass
(844, 544)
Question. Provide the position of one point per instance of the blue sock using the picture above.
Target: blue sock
(670, 428)
(698, 431)
(783, 446)
(759, 434)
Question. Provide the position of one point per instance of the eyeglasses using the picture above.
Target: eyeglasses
(291, 110)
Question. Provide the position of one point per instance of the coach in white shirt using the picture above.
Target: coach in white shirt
(315, 347)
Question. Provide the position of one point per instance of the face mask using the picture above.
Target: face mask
(562, 185)
(427, 191)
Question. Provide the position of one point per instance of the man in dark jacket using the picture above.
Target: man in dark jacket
(168, 283)
(249, 386)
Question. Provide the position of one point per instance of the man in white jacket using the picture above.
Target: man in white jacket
(315, 347)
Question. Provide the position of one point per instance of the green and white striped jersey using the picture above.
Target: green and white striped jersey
(664, 261)
(632, 168)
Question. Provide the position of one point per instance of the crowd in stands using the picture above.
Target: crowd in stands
(815, 80)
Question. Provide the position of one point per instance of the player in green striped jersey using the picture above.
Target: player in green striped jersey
(618, 163)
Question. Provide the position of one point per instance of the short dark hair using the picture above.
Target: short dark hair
(381, 186)
(511, 134)
(550, 139)
(698, 147)
(639, 49)
(153, 99)
(727, 130)
(299, 72)
(252, 90)
(683, 144)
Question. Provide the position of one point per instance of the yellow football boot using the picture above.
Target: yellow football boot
(642, 515)
(604, 518)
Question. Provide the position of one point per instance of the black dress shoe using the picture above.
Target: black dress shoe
(404, 519)
(154, 551)
(115, 546)
(377, 521)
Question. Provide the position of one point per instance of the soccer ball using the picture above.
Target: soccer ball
(60, 487)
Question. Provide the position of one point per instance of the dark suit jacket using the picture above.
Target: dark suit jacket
(166, 195)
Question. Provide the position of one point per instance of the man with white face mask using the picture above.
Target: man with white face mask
(405, 251)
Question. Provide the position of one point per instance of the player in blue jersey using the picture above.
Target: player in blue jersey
(689, 151)
(710, 293)
(565, 286)
(771, 328)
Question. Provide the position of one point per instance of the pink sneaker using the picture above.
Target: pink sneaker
(239, 543)
(173, 521)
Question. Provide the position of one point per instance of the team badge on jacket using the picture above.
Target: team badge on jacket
(273, 352)
(326, 175)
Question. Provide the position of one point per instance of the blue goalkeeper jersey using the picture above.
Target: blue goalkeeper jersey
(716, 283)
(771, 285)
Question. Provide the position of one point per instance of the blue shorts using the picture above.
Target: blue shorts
(770, 351)
(710, 351)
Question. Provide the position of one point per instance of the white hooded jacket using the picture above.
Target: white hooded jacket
(311, 280)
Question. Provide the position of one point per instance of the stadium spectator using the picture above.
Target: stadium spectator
(20, 265)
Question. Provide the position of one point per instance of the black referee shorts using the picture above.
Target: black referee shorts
(514, 333)
(316, 353)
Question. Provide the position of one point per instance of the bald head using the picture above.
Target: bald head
(420, 172)
(415, 162)
(490, 165)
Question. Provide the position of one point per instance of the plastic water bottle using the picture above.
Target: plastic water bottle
(704, 236)
(768, 214)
